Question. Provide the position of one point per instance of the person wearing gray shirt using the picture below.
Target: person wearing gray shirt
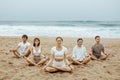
(98, 51)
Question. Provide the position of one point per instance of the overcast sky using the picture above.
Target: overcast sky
(47, 10)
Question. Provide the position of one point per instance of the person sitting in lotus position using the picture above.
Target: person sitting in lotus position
(58, 61)
(79, 55)
(37, 57)
(98, 51)
(23, 48)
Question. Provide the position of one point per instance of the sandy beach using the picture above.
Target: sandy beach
(12, 68)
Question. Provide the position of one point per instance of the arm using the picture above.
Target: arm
(42, 55)
(91, 51)
(51, 59)
(66, 60)
(103, 49)
(65, 57)
(28, 51)
(31, 49)
(41, 52)
(73, 53)
(17, 48)
(85, 51)
(31, 54)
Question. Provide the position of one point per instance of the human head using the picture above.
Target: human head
(36, 42)
(97, 39)
(79, 41)
(59, 40)
(24, 38)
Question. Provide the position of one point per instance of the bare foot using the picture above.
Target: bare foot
(107, 54)
(11, 50)
(25, 57)
(98, 60)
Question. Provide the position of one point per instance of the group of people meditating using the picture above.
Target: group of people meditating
(58, 61)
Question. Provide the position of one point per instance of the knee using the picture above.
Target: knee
(72, 59)
(69, 69)
(47, 58)
(72, 68)
(14, 51)
(47, 69)
(89, 57)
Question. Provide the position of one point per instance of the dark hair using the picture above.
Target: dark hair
(59, 38)
(25, 36)
(79, 39)
(97, 37)
(35, 40)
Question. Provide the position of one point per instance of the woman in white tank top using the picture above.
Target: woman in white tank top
(58, 61)
(37, 58)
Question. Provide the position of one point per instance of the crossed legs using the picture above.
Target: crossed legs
(56, 68)
(103, 57)
(17, 54)
(85, 61)
(33, 63)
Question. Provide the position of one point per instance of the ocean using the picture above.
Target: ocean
(84, 29)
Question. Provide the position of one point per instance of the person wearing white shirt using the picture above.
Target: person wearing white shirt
(58, 60)
(23, 48)
(79, 55)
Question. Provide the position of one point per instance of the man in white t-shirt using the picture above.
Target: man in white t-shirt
(79, 55)
(23, 47)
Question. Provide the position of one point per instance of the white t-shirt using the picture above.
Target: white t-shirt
(23, 47)
(59, 53)
(79, 53)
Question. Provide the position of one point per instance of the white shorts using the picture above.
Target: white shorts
(59, 64)
(22, 53)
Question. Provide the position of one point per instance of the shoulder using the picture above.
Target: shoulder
(20, 43)
(64, 48)
(28, 43)
(53, 48)
(83, 47)
(101, 45)
(93, 45)
(75, 47)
